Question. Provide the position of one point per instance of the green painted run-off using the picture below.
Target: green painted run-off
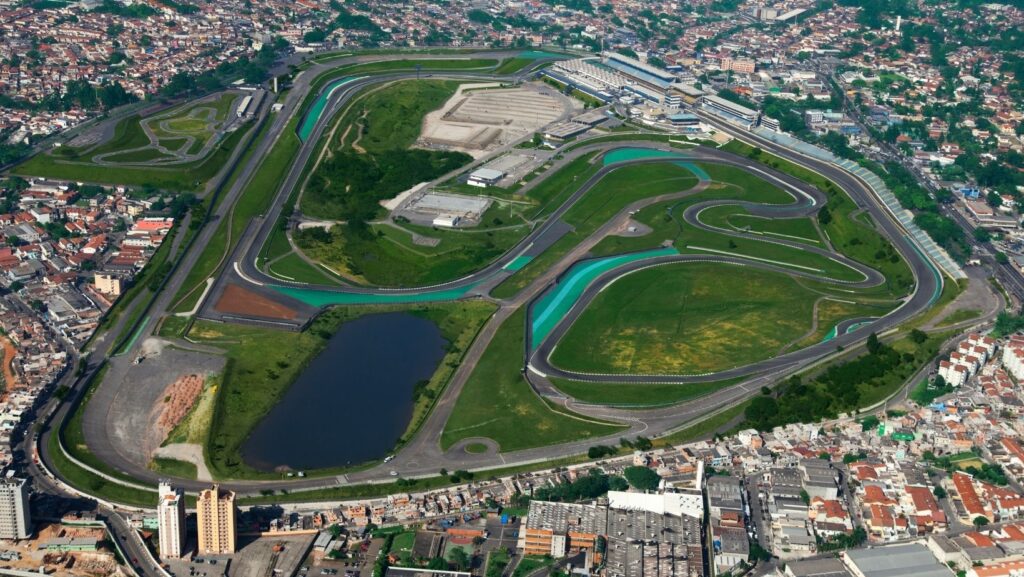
(320, 298)
(135, 336)
(550, 309)
(313, 116)
(538, 54)
(518, 263)
(698, 171)
(628, 154)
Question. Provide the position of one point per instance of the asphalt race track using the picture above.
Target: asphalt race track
(422, 456)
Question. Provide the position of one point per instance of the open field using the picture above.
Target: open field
(665, 220)
(262, 364)
(499, 404)
(388, 257)
(686, 319)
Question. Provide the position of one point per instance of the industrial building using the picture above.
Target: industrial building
(558, 529)
(484, 177)
(215, 512)
(170, 511)
(633, 534)
(912, 560)
(15, 519)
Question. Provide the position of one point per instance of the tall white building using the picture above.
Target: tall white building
(171, 519)
(15, 521)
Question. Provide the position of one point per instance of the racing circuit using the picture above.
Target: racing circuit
(557, 297)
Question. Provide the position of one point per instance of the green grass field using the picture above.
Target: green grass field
(262, 364)
(174, 468)
(960, 316)
(665, 219)
(686, 319)
(389, 258)
(499, 404)
(180, 177)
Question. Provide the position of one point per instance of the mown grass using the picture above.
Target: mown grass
(703, 429)
(174, 468)
(613, 193)
(848, 235)
(690, 318)
(960, 316)
(497, 402)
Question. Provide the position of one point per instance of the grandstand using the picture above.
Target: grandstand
(646, 75)
(729, 110)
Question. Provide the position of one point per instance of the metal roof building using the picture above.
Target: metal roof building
(913, 560)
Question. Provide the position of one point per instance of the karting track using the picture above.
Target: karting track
(422, 456)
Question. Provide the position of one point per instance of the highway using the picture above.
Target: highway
(423, 455)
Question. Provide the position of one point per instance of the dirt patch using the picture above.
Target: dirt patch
(240, 301)
(9, 352)
(179, 398)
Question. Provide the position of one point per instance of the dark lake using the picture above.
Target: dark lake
(354, 400)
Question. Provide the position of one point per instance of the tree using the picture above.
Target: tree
(643, 444)
(824, 216)
(642, 478)
(873, 344)
(457, 556)
(980, 521)
(438, 564)
(982, 235)
(918, 336)
(939, 492)
(805, 497)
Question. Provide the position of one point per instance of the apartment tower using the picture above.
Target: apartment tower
(216, 521)
(170, 510)
(15, 521)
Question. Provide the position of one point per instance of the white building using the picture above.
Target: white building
(15, 520)
(171, 519)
